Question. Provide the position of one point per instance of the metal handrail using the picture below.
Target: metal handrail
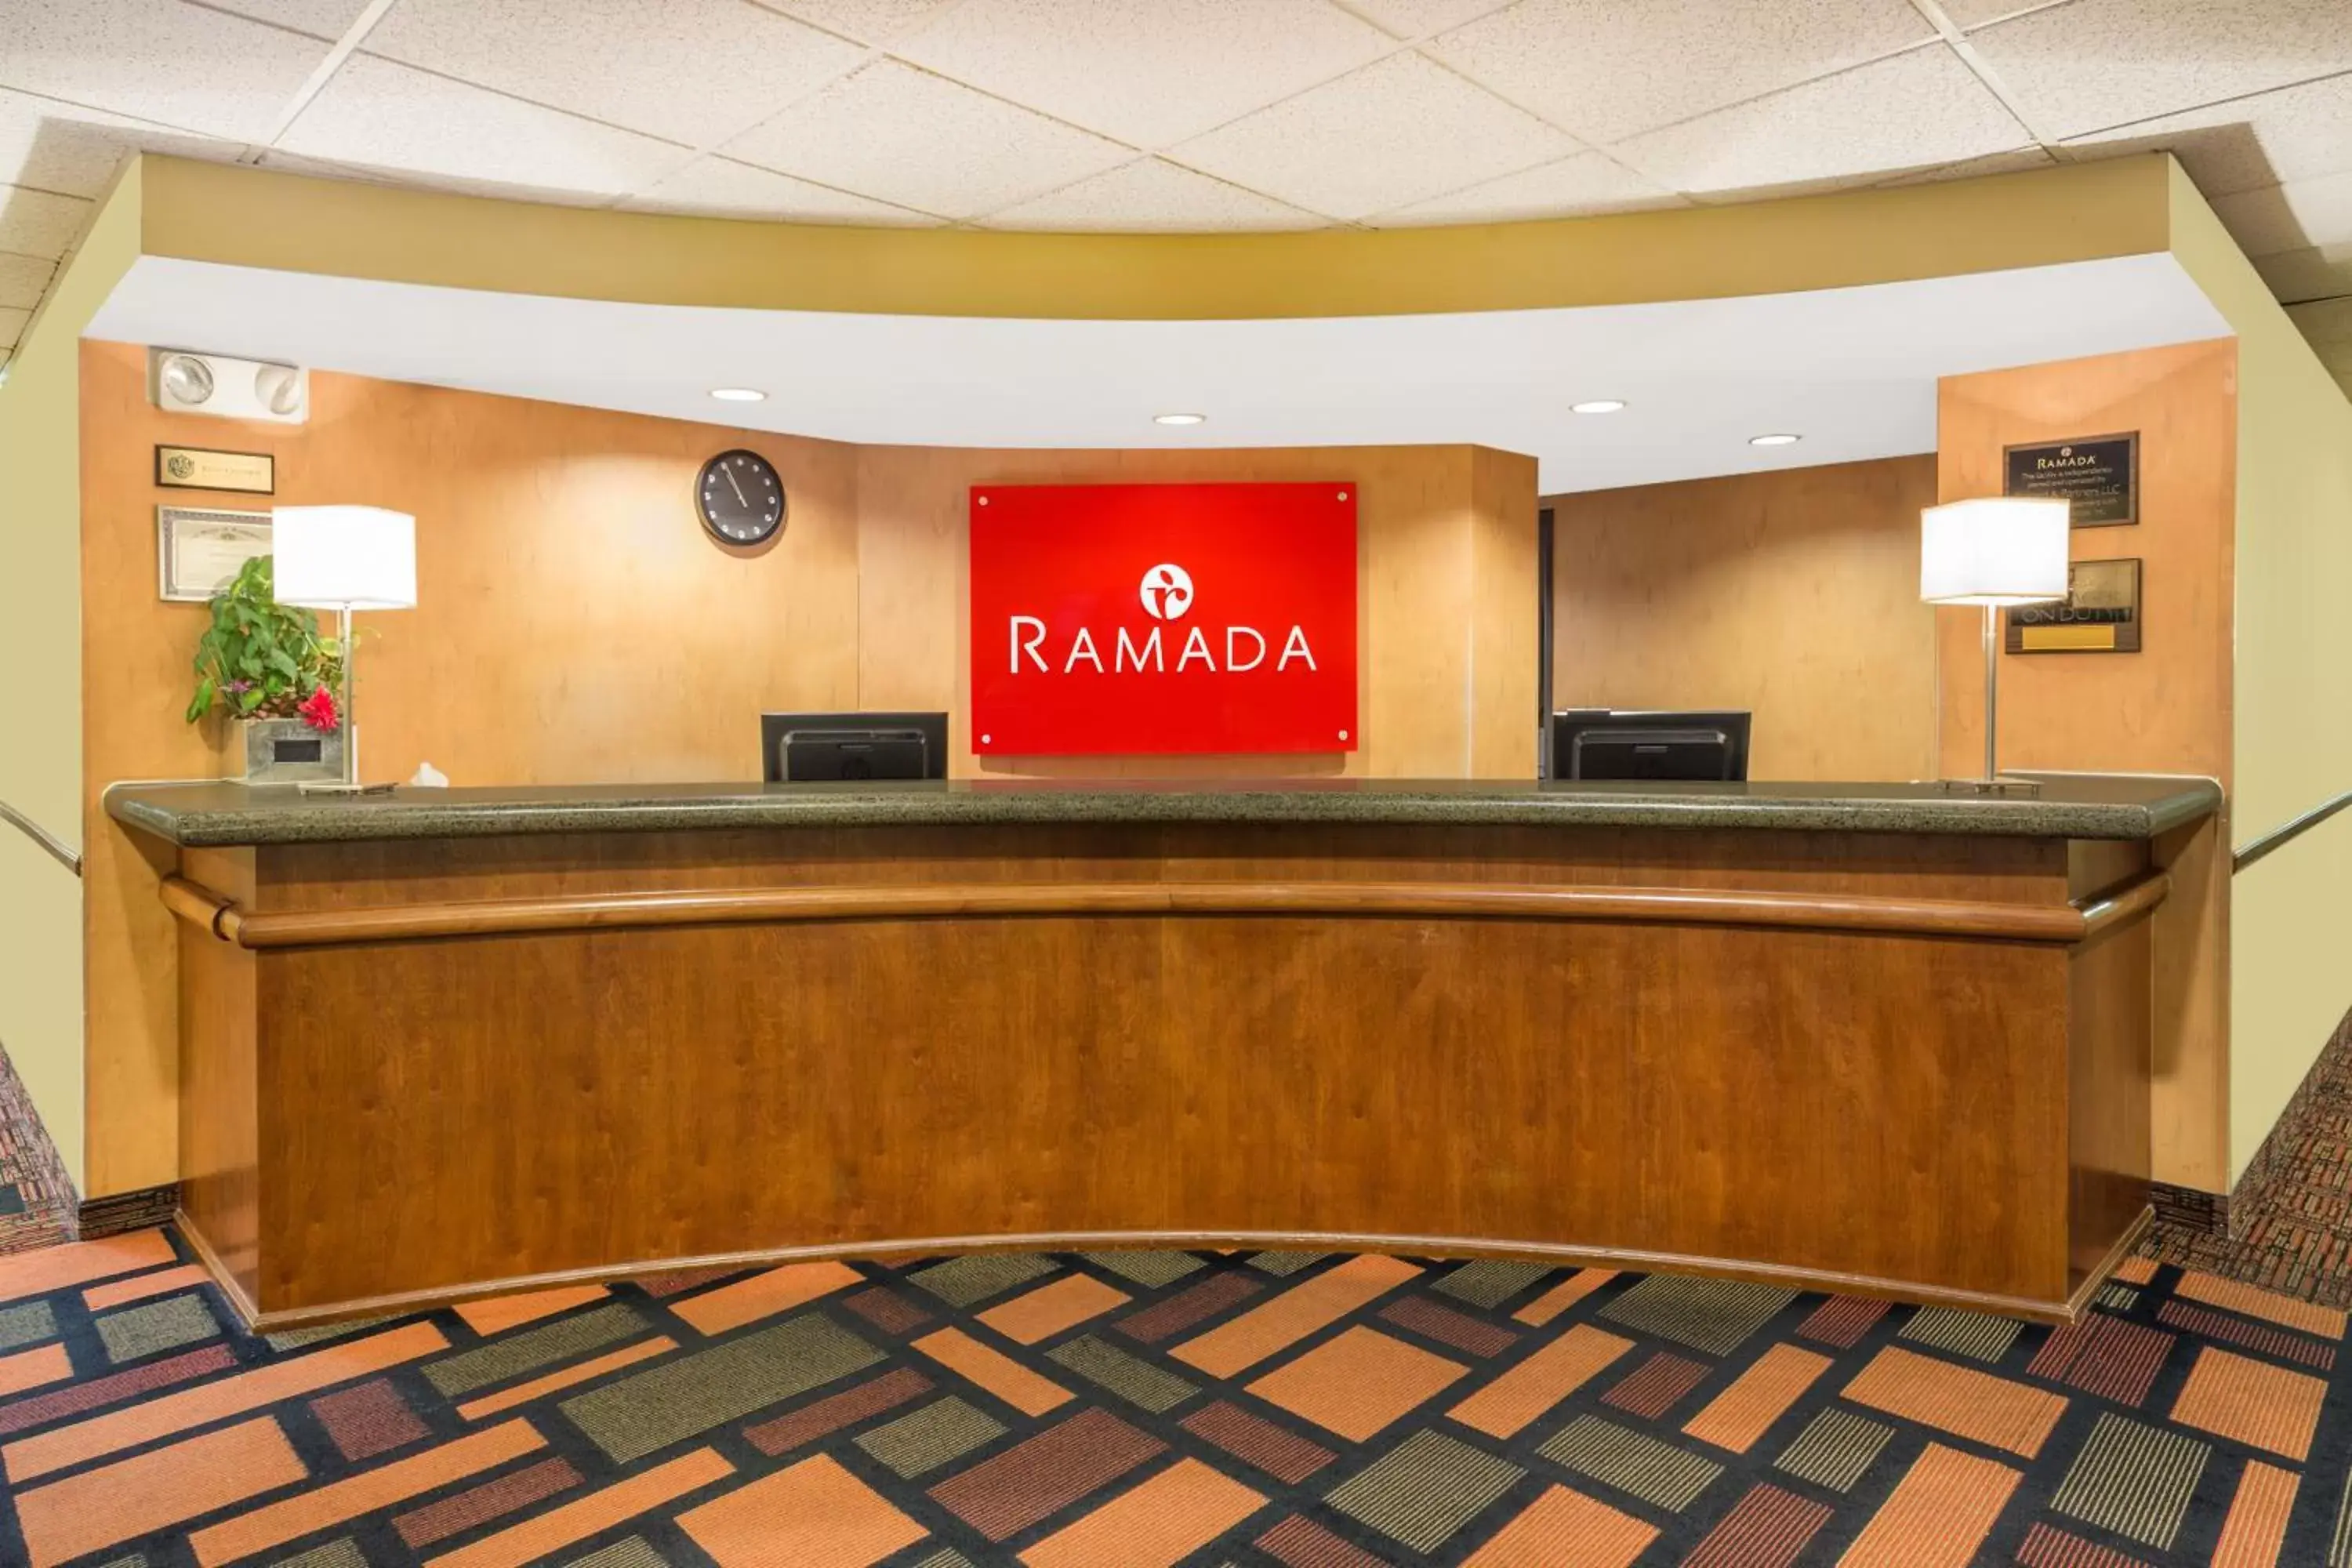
(59, 850)
(2295, 830)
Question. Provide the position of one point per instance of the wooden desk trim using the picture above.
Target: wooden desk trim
(231, 922)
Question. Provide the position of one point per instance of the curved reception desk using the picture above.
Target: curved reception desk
(1858, 1037)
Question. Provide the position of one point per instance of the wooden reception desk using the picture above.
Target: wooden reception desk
(1852, 1038)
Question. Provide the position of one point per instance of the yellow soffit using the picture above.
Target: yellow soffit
(254, 217)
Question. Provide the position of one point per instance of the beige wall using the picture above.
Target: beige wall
(40, 645)
(2289, 984)
(1794, 594)
(575, 625)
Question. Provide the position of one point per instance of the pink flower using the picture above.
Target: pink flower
(317, 709)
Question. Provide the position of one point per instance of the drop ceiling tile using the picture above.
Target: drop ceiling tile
(2295, 134)
(2292, 216)
(388, 116)
(1148, 72)
(38, 223)
(23, 280)
(1148, 196)
(2094, 64)
(1917, 111)
(720, 188)
(2316, 272)
(695, 71)
(868, 21)
(1580, 186)
(903, 135)
(12, 327)
(1606, 70)
(1398, 131)
(158, 60)
(1420, 19)
(328, 19)
(1967, 14)
(2328, 324)
(61, 147)
(2011, 162)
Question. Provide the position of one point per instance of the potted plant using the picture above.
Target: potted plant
(264, 668)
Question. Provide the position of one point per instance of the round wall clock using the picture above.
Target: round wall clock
(741, 498)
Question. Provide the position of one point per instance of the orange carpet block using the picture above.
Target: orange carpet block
(131, 1497)
(2327, 1322)
(1155, 1525)
(1977, 1406)
(1276, 1325)
(535, 1538)
(32, 1368)
(1048, 1310)
(77, 1263)
(2251, 1401)
(139, 1287)
(1506, 1405)
(1357, 1384)
(2255, 1528)
(1000, 1375)
(1745, 1411)
(1939, 1514)
(280, 1522)
(1563, 1528)
(765, 1295)
(28, 1457)
(1563, 1296)
(814, 1514)
(499, 1313)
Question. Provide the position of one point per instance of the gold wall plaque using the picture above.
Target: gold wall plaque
(2099, 614)
(195, 469)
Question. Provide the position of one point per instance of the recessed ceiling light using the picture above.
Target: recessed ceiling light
(1179, 420)
(1774, 440)
(1598, 406)
(739, 394)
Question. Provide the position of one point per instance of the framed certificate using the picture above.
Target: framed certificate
(199, 552)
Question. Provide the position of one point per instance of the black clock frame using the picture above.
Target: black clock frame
(711, 524)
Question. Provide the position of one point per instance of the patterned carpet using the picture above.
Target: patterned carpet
(1158, 1409)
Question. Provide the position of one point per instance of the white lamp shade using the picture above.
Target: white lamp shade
(2002, 550)
(343, 557)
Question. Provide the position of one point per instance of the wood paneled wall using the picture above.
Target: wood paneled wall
(1794, 594)
(575, 625)
(1446, 551)
(2166, 709)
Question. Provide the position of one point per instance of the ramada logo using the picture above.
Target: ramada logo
(1166, 595)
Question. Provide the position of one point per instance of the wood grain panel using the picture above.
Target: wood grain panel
(2166, 709)
(1380, 1068)
(1263, 1075)
(1793, 593)
(219, 1144)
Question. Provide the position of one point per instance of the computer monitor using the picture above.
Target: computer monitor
(799, 748)
(1606, 743)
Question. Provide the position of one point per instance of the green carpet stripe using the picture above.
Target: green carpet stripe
(158, 1326)
(655, 1408)
(1490, 1282)
(1834, 1450)
(1152, 1269)
(1424, 1489)
(917, 1444)
(2133, 1479)
(1658, 1473)
(1712, 1315)
(533, 1348)
(962, 1281)
(1975, 1334)
(1134, 1380)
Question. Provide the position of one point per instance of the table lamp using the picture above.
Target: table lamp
(344, 558)
(1999, 552)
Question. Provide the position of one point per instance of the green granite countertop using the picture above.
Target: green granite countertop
(2071, 805)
